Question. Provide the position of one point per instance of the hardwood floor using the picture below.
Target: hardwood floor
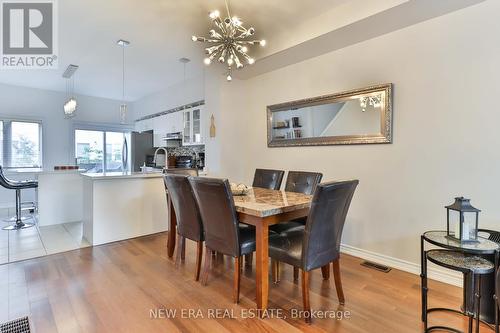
(114, 287)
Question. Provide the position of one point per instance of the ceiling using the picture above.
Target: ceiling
(160, 33)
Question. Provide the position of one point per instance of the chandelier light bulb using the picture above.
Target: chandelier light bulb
(262, 43)
(207, 61)
(236, 21)
(229, 77)
(215, 14)
(194, 38)
(251, 61)
(251, 31)
(244, 49)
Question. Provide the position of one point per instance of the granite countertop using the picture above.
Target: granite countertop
(461, 261)
(262, 202)
(121, 175)
(438, 237)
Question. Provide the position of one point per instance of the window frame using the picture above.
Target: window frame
(7, 141)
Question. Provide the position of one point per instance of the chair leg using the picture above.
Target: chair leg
(338, 281)
(206, 267)
(248, 260)
(295, 274)
(275, 270)
(325, 271)
(183, 249)
(219, 258)
(199, 256)
(305, 296)
(178, 254)
(237, 278)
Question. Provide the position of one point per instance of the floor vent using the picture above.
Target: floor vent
(21, 325)
(376, 266)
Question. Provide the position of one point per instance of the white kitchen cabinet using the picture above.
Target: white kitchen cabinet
(160, 130)
(143, 125)
(174, 122)
(192, 127)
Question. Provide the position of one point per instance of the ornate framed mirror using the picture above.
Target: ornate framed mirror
(361, 116)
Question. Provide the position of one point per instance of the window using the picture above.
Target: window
(25, 145)
(98, 151)
(20, 145)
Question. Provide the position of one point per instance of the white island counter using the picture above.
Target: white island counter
(119, 206)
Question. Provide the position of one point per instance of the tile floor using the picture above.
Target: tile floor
(39, 241)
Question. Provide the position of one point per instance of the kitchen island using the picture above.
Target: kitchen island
(118, 206)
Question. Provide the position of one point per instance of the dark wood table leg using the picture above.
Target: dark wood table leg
(172, 229)
(262, 263)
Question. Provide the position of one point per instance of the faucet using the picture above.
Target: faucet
(156, 155)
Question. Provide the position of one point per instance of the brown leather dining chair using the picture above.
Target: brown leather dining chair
(318, 244)
(189, 223)
(223, 233)
(269, 179)
(186, 172)
(298, 182)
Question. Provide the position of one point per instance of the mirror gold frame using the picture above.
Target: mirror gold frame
(385, 135)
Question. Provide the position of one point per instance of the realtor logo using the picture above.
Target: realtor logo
(28, 34)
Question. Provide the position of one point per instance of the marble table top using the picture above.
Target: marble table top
(438, 237)
(263, 203)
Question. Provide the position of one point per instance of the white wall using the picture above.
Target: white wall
(47, 106)
(180, 94)
(446, 143)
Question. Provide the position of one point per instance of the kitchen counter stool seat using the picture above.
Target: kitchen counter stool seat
(18, 186)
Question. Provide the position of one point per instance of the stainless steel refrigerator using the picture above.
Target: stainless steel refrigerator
(141, 146)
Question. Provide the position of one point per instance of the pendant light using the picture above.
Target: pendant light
(123, 107)
(70, 105)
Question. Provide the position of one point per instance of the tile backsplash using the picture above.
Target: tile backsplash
(186, 150)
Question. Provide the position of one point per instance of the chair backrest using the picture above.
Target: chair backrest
(302, 182)
(189, 223)
(6, 183)
(270, 179)
(218, 214)
(325, 223)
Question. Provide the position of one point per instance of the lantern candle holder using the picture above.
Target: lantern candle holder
(462, 221)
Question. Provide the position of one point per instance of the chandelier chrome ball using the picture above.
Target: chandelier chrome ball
(229, 43)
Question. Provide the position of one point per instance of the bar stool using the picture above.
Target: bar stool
(17, 186)
(469, 265)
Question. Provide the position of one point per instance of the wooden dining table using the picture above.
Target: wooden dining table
(260, 208)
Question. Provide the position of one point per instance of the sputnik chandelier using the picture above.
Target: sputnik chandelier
(229, 42)
(374, 101)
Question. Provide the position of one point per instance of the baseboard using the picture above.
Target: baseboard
(434, 273)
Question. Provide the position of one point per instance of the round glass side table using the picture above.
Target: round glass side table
(474, 252)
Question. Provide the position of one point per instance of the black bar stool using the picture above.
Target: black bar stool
(472, 266)
(17, 186)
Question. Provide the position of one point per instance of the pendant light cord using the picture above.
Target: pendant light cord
(227, 8)
(123, 74)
